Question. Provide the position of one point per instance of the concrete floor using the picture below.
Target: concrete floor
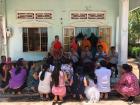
(109, 102)
(115, 100)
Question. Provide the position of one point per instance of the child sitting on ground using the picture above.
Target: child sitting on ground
(30, 78)
(35, 82)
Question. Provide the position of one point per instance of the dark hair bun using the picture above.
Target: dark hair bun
(45, 66)
(127, 67)
(103, 63)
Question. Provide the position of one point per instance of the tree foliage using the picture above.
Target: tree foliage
(134, 26)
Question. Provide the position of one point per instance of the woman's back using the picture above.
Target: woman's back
(128, 85)
(61, 79)
(44, 84)
(47, 78)
(19, 75)
(103, 79)
(131, 81)
(91, 83)
(91, 91)
(17, 80)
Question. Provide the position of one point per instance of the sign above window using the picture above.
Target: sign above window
(87, 15)
(25, 15)
(43, 15)
(34, 14)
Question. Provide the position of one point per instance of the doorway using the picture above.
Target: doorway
(68, 32)
(86, 31)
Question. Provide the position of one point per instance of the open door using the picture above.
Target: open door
(68, 33)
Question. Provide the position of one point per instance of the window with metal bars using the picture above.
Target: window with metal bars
(35, 39)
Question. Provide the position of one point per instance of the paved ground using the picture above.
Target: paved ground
(114, 100)
(110, 102)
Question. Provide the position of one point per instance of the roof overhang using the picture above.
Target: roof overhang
(134, 4)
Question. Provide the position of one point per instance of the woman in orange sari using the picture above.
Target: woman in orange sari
(104, 44)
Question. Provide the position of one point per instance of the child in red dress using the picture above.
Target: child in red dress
(56, 48)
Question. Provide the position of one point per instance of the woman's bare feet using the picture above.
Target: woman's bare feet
(74, 95)
(55, 99)
(2, 90)
(60, 99)
(81, 97)
(19, 93)
(106, 96)
(13, 93)
(124, 98)
(101, 96)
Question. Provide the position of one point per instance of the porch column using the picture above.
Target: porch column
(123, 31)
(4, 29)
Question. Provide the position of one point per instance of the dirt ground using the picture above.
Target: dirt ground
(134, 63)
(114, 100)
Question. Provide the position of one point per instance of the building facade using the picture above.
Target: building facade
(32, 24)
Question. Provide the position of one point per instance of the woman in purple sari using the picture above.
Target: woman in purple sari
(18, 76)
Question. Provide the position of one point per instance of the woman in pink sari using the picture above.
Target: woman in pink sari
(128, 85)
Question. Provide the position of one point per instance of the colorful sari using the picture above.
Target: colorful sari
(128, 85)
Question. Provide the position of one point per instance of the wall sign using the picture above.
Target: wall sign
(43, 15)
(34, 15)
(87, 15)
